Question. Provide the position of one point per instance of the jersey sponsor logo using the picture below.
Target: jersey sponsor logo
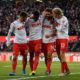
(47, 26)
(21, 27)
(36, 24)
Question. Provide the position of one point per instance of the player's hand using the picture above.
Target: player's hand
(56, 23)
(44, 13)
(8, 44)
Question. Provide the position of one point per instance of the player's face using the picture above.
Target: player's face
(47, 14)
(56, 15)
(23, 19)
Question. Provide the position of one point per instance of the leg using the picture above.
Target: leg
(14, 61)
(58, 49)
(59, 57)
(24, 62)
(36, 61)
(44, 50)
(34, 64)
(64, 66)
(31, 60)
(63, 49)
(37, 51)
(31, 51)
(48, 57)
(45, 55)
(24, 52)
(49, 61)
(14, 64)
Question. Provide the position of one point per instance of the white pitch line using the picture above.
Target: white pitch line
(27, 78)
(38, 76)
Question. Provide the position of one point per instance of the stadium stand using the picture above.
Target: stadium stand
(9, 10)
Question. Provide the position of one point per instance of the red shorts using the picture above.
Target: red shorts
(61, 45)
(35, 46)
(48, 47)
(20, 49)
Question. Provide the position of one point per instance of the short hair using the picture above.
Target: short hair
(36, 13)
(48, 10)
(58, 11)
(23, 14)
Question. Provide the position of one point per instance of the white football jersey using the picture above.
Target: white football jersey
(18, 28)
(62, 28)
(47, 30)
(35, 29)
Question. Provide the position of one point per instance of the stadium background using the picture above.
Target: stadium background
(8, 11)
(10, 8)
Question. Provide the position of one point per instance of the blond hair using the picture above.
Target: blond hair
(58, 11)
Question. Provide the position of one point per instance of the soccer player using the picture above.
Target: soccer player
(35, 29)
(61, 23)
(48, 39)
(20, 42)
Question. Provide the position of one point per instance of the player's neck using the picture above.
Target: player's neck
(20, 20)
(59, 17)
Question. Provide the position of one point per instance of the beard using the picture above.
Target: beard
(49, 17)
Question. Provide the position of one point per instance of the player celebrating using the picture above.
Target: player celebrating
(48, 39)
(20, 42)
(61, 24)
(35, 28)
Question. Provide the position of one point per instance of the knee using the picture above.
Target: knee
(15, 57)
(62, 56)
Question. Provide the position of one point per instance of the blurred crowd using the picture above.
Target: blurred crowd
(71, 8)
(9, 12)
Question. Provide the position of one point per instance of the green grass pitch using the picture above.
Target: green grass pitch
(5, 69)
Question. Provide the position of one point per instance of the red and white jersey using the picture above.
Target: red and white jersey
(62, 28)
(35, 29)
(47, 30)
(18, 28)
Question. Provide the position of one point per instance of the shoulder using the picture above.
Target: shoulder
(15, 22)
(29, 19)
(41, 17)
(64, 19)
